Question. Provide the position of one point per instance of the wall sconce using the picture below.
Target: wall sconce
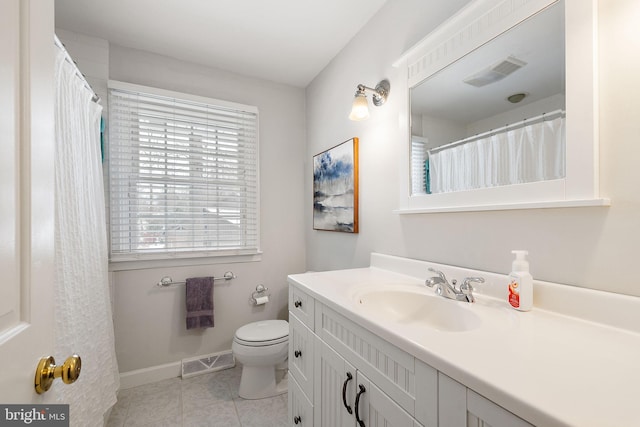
(360, 108)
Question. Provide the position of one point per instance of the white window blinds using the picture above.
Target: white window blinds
(419, 171)
(183, 175)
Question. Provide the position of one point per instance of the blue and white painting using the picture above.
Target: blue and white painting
(335, 188)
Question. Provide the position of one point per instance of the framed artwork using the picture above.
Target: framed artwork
(335, 188)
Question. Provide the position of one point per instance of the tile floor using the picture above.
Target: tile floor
(208, 400)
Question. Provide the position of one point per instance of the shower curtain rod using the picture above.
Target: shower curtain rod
(57, 42)
(517, 125)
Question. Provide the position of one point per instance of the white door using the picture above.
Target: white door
(26, 195)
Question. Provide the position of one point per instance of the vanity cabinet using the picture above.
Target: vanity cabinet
(407, 381)
(326, 348)
(334, 362)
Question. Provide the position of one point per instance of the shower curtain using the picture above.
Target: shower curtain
(83, 320)
(530, 153)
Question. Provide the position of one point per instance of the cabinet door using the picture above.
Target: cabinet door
(452, 402)
(376, 409)
(332, 373)
(300, 408)
(426, 409)
(459, 406)
(481, 412)
(301, 354)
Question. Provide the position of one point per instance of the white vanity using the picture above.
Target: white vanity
(375, 344)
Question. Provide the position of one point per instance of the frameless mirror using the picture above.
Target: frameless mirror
(471, 114)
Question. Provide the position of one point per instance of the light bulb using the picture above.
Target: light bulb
(360, 108)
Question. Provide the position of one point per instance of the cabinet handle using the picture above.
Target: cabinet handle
(297, 419)
(360, 393)
(344, 393)
(297, 353)
(298, 303)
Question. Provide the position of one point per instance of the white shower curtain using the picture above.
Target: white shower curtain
(531, 153)
(83, 320)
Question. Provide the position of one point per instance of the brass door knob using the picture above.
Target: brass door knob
(47, 371)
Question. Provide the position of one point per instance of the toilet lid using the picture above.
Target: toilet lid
(266, 330)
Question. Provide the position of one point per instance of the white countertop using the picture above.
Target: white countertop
(550, 369)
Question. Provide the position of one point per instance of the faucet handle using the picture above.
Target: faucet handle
(438, 272)
(467, 290)
(468, 280)
(466, 287)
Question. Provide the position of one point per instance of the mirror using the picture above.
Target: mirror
(511, 82)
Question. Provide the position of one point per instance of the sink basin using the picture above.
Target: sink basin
(417, 306)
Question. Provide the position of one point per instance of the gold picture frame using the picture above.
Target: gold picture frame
(335, 188)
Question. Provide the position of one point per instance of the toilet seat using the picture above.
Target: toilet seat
(260, 343)
(263, 333)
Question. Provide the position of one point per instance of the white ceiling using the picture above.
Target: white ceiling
(287, 41)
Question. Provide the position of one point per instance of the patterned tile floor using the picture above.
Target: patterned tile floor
(208, 400)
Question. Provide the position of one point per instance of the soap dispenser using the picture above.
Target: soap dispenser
(520, 283)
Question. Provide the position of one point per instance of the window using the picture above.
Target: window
(419, 167)
(183, 175)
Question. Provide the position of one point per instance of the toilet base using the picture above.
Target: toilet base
(259, 382)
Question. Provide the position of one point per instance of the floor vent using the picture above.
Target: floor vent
(209, 363)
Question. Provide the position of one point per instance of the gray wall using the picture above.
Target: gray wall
(149, 321)
(589, 247)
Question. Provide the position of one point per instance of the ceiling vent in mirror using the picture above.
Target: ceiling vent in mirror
(497, 71)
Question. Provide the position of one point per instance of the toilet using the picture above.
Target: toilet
(262, 349)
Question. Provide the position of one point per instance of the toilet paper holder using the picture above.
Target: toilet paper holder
(259, 296)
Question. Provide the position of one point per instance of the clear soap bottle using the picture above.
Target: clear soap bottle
(520, 283)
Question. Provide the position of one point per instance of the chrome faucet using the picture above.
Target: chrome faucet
(444, 289)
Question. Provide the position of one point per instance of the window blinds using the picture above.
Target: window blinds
(419, 173)
(183, 175)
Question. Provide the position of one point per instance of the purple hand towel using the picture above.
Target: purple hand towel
(199, 302)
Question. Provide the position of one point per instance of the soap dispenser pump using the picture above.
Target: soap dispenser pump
(520, 283)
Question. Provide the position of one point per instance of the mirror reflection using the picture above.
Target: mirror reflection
(496, 116)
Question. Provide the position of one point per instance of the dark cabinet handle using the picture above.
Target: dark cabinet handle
(298, 303)
(344, 392)
(297, 419)
(360, 393)
(297, 353)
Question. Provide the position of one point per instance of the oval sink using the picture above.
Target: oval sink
(407, 306)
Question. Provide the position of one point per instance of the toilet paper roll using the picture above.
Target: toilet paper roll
(262, 300)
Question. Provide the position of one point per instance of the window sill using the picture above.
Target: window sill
(141, 264)
(509, 206)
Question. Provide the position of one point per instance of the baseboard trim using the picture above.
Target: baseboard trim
(150, 375)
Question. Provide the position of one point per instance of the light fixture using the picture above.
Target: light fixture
(517, 97)
(360, 108)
